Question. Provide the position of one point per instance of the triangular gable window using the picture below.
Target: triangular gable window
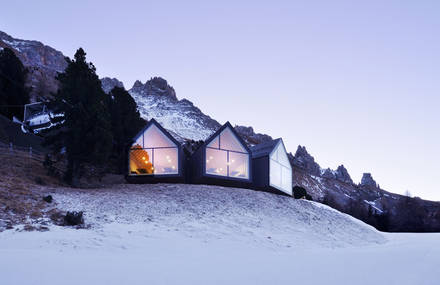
(226, 156)
(153, 153)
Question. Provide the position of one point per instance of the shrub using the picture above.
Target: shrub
(73, 218)
(48, 198)
(301, 193)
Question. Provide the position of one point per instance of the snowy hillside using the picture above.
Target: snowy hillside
(213, 212)
(188, 234)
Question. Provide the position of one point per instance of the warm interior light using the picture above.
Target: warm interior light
(143, 157)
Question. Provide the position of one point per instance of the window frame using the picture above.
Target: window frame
(176, 145)
(282, 166)
(227, 176)
(153, 161)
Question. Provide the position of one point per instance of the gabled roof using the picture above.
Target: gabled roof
(264, 149)
(227, 125)
(162, 129)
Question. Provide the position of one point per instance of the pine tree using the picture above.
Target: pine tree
(84, 129)
(126, 123)
(13, 92)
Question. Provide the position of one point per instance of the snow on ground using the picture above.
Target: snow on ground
(187, 234)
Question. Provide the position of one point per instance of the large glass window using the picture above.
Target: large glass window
(225, 156)
(216, 162)
(280, 170)
(154, 153)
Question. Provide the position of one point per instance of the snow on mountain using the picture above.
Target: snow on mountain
(156, 99)
(42, 61)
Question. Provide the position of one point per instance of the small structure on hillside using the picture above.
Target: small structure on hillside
(155, 156)
(223, 159)
(271, 167)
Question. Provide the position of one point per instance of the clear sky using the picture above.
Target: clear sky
(356, 82)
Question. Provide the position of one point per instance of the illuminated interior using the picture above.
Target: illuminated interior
(280, 170)
(153, 153)
(226, 156)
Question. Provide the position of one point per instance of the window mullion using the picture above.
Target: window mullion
(227, 162)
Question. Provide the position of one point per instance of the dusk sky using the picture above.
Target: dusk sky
(356, 82)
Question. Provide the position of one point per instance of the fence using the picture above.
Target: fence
(11, 150)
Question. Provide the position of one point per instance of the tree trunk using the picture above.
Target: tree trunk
(73, 172)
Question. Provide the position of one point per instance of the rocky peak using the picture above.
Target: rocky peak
(156, 86)
(109, 83)
(137, 85)
(328, 173)
(342, 175)
(304, 160)
(251, 138)
(367, 180)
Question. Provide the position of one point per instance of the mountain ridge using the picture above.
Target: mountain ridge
(156, 98)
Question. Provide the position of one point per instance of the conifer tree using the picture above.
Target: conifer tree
(126, 123)
(13, 92)
(84, 128)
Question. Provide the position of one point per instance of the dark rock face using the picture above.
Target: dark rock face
(108, 84)
(304, 160)
(342, 175)
(43, 63)
(156, 86)
(250, 137)
(74, 219)
(367, 180)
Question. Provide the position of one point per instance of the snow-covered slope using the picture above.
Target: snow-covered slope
(213, 212)
(193, 234)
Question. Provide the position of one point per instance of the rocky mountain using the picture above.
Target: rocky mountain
(108, 84)
(304, 160)
(42, 61)
(156, 98)
(367, 180)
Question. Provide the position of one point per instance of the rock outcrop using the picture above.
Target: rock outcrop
(304, 160)
(43, 63)
(342, 175)
(108, 84)
(156, 86)
(250, 137)
(367, 180)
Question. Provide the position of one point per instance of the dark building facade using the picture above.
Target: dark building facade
(271, 167)
(223, 159)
